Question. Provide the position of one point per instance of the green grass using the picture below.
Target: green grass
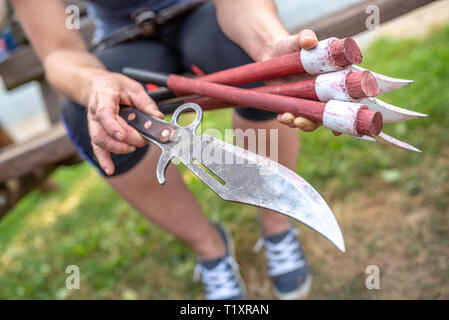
(424, 61)
(122, 255)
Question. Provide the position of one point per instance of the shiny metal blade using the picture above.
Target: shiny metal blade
(245, 177)
(366, 138)
(386, 84)
(386, 139)
(391, 113)
(255, 180)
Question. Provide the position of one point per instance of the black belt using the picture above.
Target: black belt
(147, 23)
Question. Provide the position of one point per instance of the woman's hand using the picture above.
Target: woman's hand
(255, 26)
(306, 39)
(108, 131)
(82, 77)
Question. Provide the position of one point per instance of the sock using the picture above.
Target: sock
(277, 237)
(212, 263)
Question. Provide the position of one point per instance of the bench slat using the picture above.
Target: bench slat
(49, 148)
(24, 65)
(351, 21)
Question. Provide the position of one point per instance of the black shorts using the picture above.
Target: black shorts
(197, 41)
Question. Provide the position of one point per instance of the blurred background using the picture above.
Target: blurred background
(391, 204)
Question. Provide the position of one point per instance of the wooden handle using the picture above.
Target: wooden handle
(342, 52)
(370, 122)
(361, 84)
(345, 52)
(358, 85)
(258, 71)
(148, 126)
(312, 110)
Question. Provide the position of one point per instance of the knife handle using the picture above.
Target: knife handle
(149, 126)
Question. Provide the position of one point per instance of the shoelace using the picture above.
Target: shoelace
(219, 282)
(284, 256)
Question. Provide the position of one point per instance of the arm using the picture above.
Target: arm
(62, 51)
(255, 26)
(3, 12)
(81, 77)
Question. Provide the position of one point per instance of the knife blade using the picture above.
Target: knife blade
(238, 175)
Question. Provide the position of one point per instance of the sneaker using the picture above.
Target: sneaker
(221, 277)
(287, 265)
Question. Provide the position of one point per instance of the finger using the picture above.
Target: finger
(143, 101)
(287, 119)
(107, 112)
(125, 100)
(101, 139)
(108, 143)
(336, 133)
(307, 39)
(104, 159)
(287, 45)
(92, 105)
(305, 124)
(132, 136)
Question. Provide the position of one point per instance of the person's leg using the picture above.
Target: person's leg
(172, 206)
(288, 150)
(202, 43)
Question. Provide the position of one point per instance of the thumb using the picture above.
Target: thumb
(305, 124)
(306, 39)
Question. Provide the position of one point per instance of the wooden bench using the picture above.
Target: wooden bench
(19, 162)
(25, 166)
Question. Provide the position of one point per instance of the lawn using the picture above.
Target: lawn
(392, 206)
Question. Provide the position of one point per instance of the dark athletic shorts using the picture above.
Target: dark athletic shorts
(197, 41)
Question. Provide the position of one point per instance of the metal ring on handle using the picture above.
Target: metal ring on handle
(199, 116)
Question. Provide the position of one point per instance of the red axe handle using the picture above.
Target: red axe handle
(304, 90)
(341, 53)
(355, 84)
(368, 122)
(330, 55)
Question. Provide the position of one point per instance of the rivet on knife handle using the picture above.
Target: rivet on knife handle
(149, 126)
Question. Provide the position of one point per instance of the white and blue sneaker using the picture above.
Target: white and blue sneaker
(221, 277)
(287, 265)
